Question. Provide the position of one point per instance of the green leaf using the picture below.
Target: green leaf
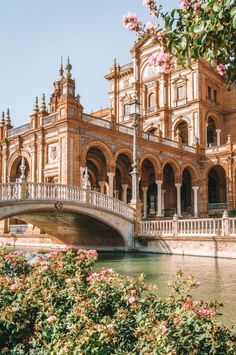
(183, 43)
(199, 27)
(233, 12)
(234, 22)
(216, 7)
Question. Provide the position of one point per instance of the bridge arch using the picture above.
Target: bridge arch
(70, 213)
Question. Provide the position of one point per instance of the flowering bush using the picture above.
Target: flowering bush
(59, 305)
(197, 29)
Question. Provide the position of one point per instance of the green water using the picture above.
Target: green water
(217, 276)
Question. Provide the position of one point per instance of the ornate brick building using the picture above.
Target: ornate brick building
(186, 138)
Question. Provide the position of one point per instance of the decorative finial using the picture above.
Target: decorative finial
(43, 104)
(229, 139)
(78, 98)
(61, 71)
(86, 179)
(3, 118)
(68, 68)
(8, 118)
(114, 62)
(36, 106)
(22, 168)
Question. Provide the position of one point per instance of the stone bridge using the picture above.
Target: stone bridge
(74, 215)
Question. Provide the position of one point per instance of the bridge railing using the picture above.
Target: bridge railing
(9, 191)
(62, 193)
(55, 192)
(109, 203)
(199, 227)
(158, 228)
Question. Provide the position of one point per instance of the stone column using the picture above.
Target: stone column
(205, 134)
(102, 186)
(145, 189)
(163, 200)
(218, 132)
(124, 192)
(116, 194)
(82, 170)
(159, 203)
(178, 188)
(195, 201)
(33, 162)
(111, 176)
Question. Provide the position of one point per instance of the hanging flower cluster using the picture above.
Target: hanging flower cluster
(221, 69)
(188, 4)
(162, 60)
(132, 23)
(152, 7)
(197, 29)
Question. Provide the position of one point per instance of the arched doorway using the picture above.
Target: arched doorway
(16, 225)
(97, 168)
(186, 192)
(15, 172)
(211, 132)
(149, 188)
(181, 132)
(170, 196)
(217, 196)
(122, 181)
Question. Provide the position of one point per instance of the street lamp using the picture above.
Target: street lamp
(134, 114)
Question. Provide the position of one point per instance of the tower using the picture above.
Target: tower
(63, 100)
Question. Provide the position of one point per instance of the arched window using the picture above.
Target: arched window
(181, 133)
(126, 110)
(211, 132)
(151, 102)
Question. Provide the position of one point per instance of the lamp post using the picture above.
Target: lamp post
(134, 114)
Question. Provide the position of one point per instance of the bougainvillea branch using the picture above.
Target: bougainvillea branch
(197, 29)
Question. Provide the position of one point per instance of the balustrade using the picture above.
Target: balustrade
(201, 227)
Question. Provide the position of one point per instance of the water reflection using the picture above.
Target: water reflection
(217, 276)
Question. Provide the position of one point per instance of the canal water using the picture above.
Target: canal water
(217, 276)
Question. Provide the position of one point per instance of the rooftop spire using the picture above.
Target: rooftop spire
(43, 104)
(36, 106)
(114, 62)
(61, 71)
(68, 68)
(3, 118)
(8, 118)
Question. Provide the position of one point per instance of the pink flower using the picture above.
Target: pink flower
(221, 69)
(51, 319)
(152, 7)
(160, 35)
(197, 5)
(133, 292)
(185, 4)
(161, 59)
(205, 312)
(132, 22)
(177, 320)
(188, 304)
(150, 26)
(132, 299)
(164, 326)
(14, 287)
(93, 275)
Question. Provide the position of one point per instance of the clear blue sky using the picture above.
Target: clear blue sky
(34, 34)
